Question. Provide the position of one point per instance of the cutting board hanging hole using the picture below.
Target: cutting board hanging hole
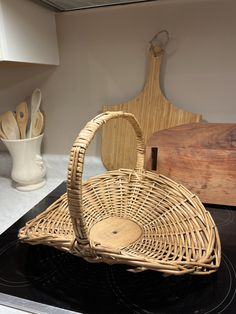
(154, 158)
(159, 42)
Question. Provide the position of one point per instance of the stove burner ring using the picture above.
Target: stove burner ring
(232, 288)
(21, 263)
(222, 217)
(146, 292)
(223, 303)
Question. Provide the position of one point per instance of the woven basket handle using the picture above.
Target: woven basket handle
(76, 164)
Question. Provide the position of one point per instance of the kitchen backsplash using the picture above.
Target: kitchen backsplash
(104, 60)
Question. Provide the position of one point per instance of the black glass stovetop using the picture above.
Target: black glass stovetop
(45, 275)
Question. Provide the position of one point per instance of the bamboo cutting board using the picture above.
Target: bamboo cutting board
(153, 111)
(201, 156)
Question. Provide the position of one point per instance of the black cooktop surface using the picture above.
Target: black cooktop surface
(46, 275)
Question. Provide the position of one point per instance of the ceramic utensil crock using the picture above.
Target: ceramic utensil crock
(28, 169)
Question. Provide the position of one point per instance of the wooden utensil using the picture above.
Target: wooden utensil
(2, 134)
(9, 126)
(153, 111)
(37, 124)
(22, 117)
(201, 156)
(34, 108)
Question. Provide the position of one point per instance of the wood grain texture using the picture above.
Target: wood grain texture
(2, 134)
(114, 233)
(201, 156)
(37, 124)
(22, 116)
(153, 111)
(10, 126)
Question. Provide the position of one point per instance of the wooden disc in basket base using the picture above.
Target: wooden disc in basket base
(114, 233)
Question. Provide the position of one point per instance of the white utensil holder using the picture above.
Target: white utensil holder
(28, 169)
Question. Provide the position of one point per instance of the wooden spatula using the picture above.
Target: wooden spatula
(37, 124)
(9, 126)
(2, 134)
(22, 116)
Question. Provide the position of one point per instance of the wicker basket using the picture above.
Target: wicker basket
(127, 216)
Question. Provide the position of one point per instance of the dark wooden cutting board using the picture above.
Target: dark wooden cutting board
(201, 156)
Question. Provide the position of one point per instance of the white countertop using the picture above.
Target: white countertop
(14, 204)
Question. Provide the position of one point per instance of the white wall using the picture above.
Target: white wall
(104, 53)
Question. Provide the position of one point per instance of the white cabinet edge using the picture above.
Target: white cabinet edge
(2, 35)
(27, 33)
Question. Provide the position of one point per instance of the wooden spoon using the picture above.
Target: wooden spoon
(34, 108)
(37, 124)
(9, 126)
(22, 116)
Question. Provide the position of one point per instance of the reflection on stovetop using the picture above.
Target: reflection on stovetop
(46, 275)
(223, 215)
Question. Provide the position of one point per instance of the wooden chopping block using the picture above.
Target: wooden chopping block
(153, 111)
(200, 156)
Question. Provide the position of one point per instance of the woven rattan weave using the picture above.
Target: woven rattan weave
(128, 216)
